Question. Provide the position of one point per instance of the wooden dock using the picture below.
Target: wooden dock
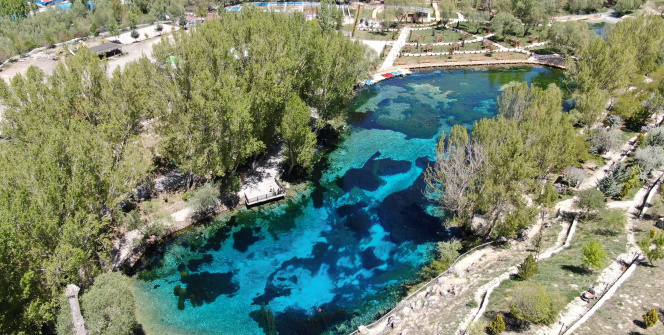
(261, 199)
(276, 194)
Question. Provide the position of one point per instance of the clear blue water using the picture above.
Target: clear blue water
(336, 257)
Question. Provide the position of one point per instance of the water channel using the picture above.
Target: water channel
(336, 258)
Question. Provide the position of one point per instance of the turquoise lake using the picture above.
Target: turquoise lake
(337, 257)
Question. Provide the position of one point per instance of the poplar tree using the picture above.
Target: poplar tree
(297, 135)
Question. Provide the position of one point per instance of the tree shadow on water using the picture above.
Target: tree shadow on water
(579, 270)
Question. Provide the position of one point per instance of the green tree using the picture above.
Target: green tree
(14, 8)
(329, 16)
(497, 325)
(108, 306)
(205, 198)
(506, 24)
(66, 166)
(613, 221)
(296, 132)
(568, 37)
(113, 28)
(531, 303)
(528, 268)
(531, 12)
(590, 106)
(627, 6)
(477, 20)
(594, 255)
(590, 201)
(601, 65)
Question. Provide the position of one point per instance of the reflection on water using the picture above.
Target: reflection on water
(336, 258)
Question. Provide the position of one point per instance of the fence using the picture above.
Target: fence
(278, 193)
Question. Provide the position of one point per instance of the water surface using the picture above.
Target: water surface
(337, 257)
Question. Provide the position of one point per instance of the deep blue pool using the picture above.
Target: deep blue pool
(337, 257)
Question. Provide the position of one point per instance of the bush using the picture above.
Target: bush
(134, 34)
(649, 157)
(613, 221)
(204, 198)
(609, 186)
(650, 318)
(533, 304)
(590, 201)
(594, 255)
(107, 307)
(574, 176)
(159, 27)
(528, 268)
(497, 325)
(603, 141)
(655, 136)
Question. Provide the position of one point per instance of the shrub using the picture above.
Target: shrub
(603, 141)
(533, 304)
(108, 306)
(518, 219)
(134, 34)
(613, 221)
(656, 238)
(649, 157)
(609, 186)
(204, 198)
(497, 325)
(528, 268)
(655, 136)
(590, 201)
(574, 176)
(613, 121)
(594, 255)
(650, 318)
(159, 27)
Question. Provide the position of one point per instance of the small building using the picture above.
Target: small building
(107, 50)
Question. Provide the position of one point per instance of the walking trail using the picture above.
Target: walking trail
(396, 49)
(477, 274)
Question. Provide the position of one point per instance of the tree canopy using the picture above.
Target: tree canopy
(507, 157)
(72, 146)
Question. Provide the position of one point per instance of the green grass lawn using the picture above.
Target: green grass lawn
(375, 35)
(525, 40)
(464, 26)
(448, 48)
(426, 35)
(564, 272)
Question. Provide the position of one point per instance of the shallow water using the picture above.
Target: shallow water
(336, 258)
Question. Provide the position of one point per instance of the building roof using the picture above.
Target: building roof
(104, 48)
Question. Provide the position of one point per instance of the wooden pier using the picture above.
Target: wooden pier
(276, 194)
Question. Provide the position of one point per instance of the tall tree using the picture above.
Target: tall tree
(329, 16)
(297, 135)
(14, 9)
(65, 168)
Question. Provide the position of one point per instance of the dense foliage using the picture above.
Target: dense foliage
(528, 268)
(73, 148)
(107, 307)
(227, 85)
(488, 172)
(594, 255)
(532, 304)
